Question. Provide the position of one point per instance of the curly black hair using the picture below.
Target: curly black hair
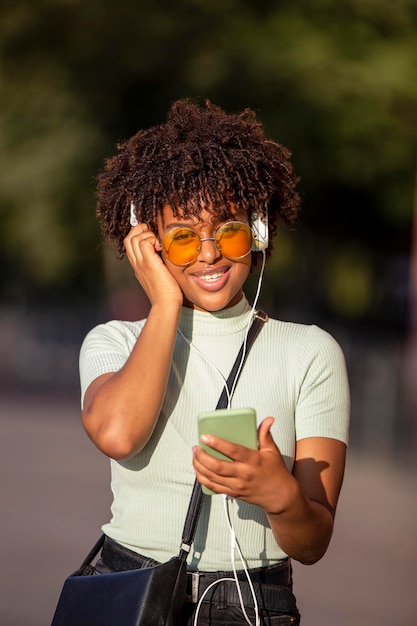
(200, 158)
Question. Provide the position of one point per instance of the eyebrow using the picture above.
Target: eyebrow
(193, 225)
(180, 225)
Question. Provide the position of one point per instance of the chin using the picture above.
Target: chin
(212, 305)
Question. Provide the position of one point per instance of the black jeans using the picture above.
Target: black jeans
(220, 605)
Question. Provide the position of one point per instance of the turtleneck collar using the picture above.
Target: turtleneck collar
(224, 322)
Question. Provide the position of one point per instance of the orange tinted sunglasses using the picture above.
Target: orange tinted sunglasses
(182, 245)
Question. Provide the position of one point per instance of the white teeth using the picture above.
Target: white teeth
(211, 277)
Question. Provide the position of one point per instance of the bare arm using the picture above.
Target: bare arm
(303, 524)
(121, 409)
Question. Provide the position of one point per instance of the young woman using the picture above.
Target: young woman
(195, 188)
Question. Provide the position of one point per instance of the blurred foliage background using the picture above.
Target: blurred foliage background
(335, 82)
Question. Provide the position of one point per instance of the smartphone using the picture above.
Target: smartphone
(236, 425)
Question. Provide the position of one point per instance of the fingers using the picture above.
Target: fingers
(267, 445)
(219, 476)
(232, 476)
(142, 249)
(249, 475)
(232, 451)
(141, 241)
(142, 246)
(264, 433)
(239, 453)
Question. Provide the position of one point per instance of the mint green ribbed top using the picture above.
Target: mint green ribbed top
(294, 372)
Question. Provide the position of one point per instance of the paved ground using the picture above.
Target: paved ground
(55, 493)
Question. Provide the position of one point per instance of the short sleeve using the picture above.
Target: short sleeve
(105, 349)
(323, 406)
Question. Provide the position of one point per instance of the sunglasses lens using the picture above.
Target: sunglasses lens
(181, 246)
(235, 240)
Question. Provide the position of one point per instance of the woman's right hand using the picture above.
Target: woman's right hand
(121, 408)
(142, 247)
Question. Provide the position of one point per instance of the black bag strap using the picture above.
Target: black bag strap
(93, 552)
(197, 496)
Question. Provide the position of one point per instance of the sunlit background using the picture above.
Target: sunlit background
(336, 82)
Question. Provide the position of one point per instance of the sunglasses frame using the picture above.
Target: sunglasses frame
(201, 239)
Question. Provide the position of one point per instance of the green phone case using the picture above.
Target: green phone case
(236, 425)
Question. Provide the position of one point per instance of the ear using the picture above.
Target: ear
(260, 233)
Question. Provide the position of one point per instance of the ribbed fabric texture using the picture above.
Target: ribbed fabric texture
(294, 372)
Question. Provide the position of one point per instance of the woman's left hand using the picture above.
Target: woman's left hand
(255, 476)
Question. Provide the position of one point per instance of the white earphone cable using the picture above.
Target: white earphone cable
(188, 341)
(234, 545)
(255, 301)
(230, 392)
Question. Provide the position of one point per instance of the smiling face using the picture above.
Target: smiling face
(212, 282)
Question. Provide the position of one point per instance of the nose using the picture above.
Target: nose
(209, 251)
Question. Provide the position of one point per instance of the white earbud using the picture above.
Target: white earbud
(260, 232)
(133, 219)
